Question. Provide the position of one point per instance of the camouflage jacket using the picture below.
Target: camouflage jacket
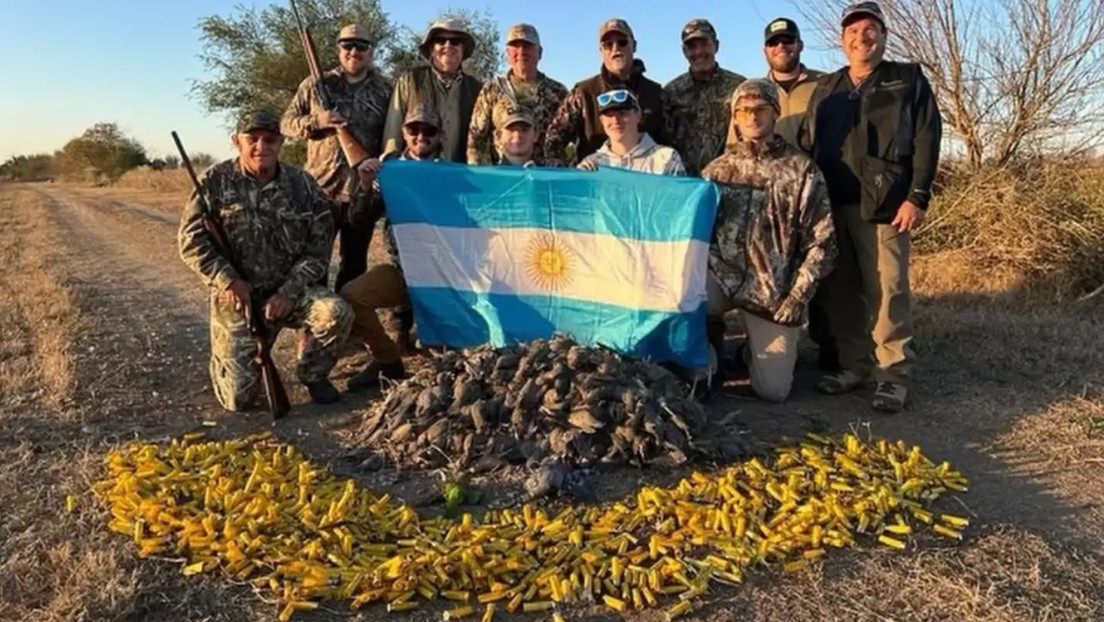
(774, 237)
(282, 233)
(363, 104)
(543, 99)
(701, 112)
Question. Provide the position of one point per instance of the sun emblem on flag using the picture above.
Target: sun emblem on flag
(549, 262)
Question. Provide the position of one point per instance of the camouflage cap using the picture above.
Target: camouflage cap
(615, 25)
(422, 113)
(508, 114)
(781, 27)
(698, 29)
(258, 120)
(757, 89)
(449, 25)
(523, 32)
(354, 32)
(859, 10)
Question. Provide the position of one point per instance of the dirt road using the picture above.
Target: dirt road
(1004, 393)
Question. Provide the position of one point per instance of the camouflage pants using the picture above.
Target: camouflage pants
(235, 374)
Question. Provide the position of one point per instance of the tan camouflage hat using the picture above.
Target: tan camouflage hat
(508, 114)
(354, 32)
(448, 26)
(615, 25)
(422, 113)
(757, 89)
(258, 120)
(698, 29)
(523, 32)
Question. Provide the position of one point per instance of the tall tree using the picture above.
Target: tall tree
(102, 153)
(1013, 77)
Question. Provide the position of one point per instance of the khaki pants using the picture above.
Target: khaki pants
(381, 287)
(868, 298)
(771, 350)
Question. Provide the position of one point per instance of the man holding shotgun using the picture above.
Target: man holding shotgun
(340, 113)
(277, 235)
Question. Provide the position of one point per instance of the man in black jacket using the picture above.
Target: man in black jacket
(874, 130)
(577, 121)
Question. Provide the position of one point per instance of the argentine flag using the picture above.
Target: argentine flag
(501, 254)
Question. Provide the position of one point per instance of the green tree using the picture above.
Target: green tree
(484, 64)
(27, 168)
(256, 58)
(101, 154)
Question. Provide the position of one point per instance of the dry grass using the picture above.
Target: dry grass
(1043, 222)
(170, 181)
(38, 318)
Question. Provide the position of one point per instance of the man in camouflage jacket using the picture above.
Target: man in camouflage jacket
(522, 86)
(700, 98)
(773, 241)
(360, 96)
(279, 225)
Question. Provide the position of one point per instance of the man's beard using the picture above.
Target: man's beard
(794, 63)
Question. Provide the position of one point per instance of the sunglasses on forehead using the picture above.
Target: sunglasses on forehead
(619, 96)
(359, 46)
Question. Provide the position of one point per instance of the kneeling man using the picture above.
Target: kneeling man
(773, 240)
(279, 225)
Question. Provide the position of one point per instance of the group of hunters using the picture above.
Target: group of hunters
(822, 179)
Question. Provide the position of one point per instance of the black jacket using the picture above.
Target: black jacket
(900, 127)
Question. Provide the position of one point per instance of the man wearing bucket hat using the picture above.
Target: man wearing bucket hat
(626, 145)
(279, 226)
(773, 240)
(523, 86)
(442, 85)
(382, 286)
(359, 95)
(577, 121)
(700, 98)
(875, 131)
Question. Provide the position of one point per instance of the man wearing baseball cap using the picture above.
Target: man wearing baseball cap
(382, 286)
(359, 95)
(256, 197)
(443, 85)
(577, 122)
(516, 135)
(700, 98)
(773, 239)
(523, 86)
(874, 129)
(626, 146)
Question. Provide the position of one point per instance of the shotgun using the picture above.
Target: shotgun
(354, 152)
(275, 394)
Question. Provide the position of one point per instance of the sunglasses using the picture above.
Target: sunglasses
(759, 112)
(457, 41)
(619, 96)
(777, 41)
(610, 44)
(359, 46)
(421, 129)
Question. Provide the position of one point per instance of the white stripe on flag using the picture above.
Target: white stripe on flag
(636, 274)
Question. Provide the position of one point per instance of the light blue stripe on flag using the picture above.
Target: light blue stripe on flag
(505, 254)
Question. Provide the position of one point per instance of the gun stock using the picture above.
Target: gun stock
(350, 146)
(275, 395)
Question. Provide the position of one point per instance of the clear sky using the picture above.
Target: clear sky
(67, 64)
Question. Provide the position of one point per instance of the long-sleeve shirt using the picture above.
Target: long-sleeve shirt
(646, 157)
(452, 98)
(363, 104)
(774, 237)
(542, 97)
(281, 233)
(702, 113)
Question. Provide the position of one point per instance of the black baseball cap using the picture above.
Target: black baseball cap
(781, 27)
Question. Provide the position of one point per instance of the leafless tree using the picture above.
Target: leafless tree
(1013, 77)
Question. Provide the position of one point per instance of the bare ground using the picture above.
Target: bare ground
(103, 341)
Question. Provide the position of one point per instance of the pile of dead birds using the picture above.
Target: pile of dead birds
(541, 401)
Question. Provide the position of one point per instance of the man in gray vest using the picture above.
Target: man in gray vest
(442, 85)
